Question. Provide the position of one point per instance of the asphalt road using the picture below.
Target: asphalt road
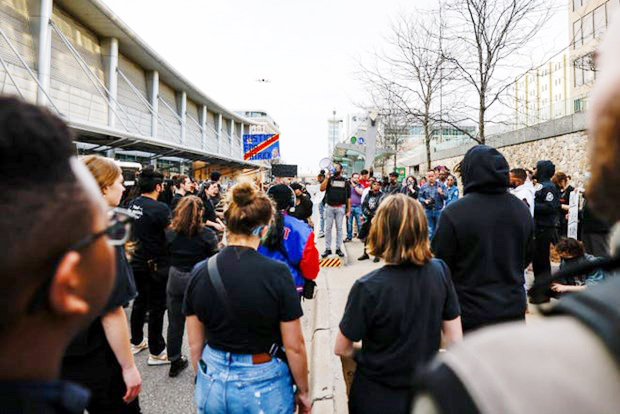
(161, 394)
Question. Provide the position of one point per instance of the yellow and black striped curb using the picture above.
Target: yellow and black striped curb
(330, 262)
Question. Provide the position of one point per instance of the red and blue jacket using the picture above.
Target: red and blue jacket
(298, 251)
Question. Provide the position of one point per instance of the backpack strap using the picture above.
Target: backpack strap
(216, 281)
(598, 307)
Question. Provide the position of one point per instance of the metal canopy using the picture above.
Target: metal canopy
(107, 138)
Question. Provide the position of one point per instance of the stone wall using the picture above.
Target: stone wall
(568, 153)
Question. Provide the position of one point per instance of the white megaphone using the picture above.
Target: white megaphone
(327, 164)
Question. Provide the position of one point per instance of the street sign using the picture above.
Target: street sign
(261, 146)
(401, 174)
(573, 214)
(360, 141)
(353, 140)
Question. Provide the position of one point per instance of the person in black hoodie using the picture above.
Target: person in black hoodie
(547, 219)
(485, 238)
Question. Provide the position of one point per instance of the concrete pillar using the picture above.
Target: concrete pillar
(371, 140)
(153, 87)
(202, 112)
(154, 163)
(232, 131)
(41, 22)
(219, 133)
(182, 111)
(110, 61)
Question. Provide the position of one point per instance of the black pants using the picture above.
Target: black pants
(368, 396)
(544, 238)
(152, 299)
(100, 372)
(177, 282)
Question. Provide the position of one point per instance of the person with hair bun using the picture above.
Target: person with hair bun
(189, 242)
(245, 308)
(400, 312)
(100, 357)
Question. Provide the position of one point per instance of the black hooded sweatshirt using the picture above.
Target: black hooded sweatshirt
(547, 198)
(486, 240)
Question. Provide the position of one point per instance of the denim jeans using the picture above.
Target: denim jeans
(333, 214)
(230, 383)
(177, 282)
(432, 216)
(356, 213)
(322, 214)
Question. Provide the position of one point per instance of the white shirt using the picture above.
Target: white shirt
(525, 193)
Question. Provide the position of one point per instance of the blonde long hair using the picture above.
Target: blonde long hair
(399, 232)
(103, 169)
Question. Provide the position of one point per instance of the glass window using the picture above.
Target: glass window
(578, 72)
(612, 8)
(600, 21)
(577, 40)
(588, 27)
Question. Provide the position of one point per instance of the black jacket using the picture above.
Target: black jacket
(371, 203)
(485, 238)
(547, 199)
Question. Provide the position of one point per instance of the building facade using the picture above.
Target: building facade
(117, 94)
(588, 21)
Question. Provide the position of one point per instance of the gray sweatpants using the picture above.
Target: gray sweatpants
(333, 214)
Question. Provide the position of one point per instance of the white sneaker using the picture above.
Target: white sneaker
(161, 359)
(140, 347)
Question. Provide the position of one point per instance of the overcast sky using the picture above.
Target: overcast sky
(307, 50)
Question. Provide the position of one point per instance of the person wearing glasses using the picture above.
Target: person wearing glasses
(57, 267)
(150, 263)
(100, 357)
(245, 307)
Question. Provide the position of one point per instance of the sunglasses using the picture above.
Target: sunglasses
(117, 233)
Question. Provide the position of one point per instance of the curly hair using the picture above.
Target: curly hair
(188, 216)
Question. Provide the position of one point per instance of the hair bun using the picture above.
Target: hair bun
(243, 194)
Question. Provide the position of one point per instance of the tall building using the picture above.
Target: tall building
(335, 132)
(542, 94)
(588, 21)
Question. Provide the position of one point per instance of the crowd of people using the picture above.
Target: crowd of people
(232, 270)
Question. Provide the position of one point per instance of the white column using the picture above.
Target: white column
(241, 132)
(203, 125)
(232, 132)
(110, 58)
(44, 51)
(219, 133)
(153, 85)
(182, 109)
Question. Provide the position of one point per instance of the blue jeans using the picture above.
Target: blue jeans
(356, 213)
(230, 383)
(432, 216)
(334, 215)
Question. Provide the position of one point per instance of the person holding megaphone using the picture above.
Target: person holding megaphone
(337, 205)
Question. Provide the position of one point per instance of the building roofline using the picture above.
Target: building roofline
(99, 17)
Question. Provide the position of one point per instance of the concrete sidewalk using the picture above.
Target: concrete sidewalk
(322, 316)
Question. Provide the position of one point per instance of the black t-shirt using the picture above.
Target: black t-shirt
(93, 337)
(261, 292)
(175, 200)
(149, 228)
(338, 191)
(209, 214)
(186, 251)
(397, 312)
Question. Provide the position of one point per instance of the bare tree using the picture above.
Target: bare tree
(409, 75)
(486, 35)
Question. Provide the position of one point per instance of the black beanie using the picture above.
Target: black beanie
(282, 195)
